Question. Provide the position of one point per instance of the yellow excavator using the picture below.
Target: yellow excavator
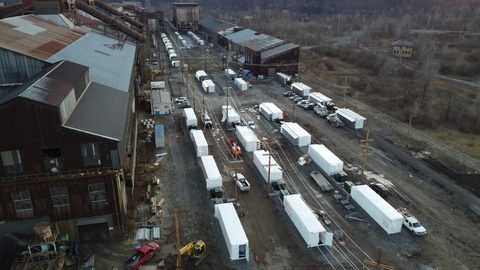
(196, 249)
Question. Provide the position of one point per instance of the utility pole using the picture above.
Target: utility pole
(227, 92)
(269, 164)
(206, 59)
(236, 175)
(409, 128)
(293, 105)
(365, 153)
(193, 93)
(179, 256)
(378, 264)
(344, 90)
(203, 111)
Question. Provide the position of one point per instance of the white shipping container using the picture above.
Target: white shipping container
(158, 85)
(317, 97)
(270, 111)
(247, 139)
(208, 86)
(212, 175)
(325, 159)
(306, 223)
(351, 118)
(301, 89)
(241, 84)
(382, 212)
(230, 74)
(199, 141)
(296, 134)
(233, 116)
(190, 118)
(175, 63)
(282, 78)
(201, 75)
(172, 56)
(261, 159)
(232, 229)
(200, 42)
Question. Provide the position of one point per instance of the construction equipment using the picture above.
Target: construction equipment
(196, 249)
(335, 120)
(236, 150)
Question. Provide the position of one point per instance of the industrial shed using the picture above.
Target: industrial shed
(262, 59)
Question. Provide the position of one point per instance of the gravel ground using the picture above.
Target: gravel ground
(418, 179)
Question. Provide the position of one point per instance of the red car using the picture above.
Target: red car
(143, 254)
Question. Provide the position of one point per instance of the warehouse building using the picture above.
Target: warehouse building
(263, 54)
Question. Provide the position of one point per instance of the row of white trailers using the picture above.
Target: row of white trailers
(235, 238)
(198, 40)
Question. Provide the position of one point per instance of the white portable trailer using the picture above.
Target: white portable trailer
(248, 139)
(261, 161)
(199, 141)
(325, 159)
(296, 134)
(235, 237)
(212, 175)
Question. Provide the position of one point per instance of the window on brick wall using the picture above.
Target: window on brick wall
(12, 161)
(97, 192)
(22, 200)
(60, 196)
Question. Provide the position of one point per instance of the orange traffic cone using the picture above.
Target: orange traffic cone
(256, 258)
(346, 240)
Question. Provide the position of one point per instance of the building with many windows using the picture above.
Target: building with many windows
(402, 48)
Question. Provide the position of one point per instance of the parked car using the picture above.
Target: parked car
(380, 189)
(309, 106)
(288, 94)
(184, 105)
(144, 253)
(297, 99)
(181, 99)
(154, 63)
(302, 102)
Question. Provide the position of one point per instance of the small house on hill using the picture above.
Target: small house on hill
(402, 48)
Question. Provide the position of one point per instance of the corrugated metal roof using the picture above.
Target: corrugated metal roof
(261, 42)
(240, 36)
(215, 25)
(110, 64)
(278, 50)
(165, 97)
(52, 85)
(54, 18)
(101, 111)
(402, 43)
(36, 37)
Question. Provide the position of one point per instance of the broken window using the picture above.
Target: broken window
(60, 196)
(90, 154)
(12, 161)
(22, 200)
(97, 192)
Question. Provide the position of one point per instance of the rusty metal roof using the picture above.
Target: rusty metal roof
(36, 37)
(262, 42)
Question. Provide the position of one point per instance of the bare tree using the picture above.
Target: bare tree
(408, 86)
(430, 65)
(448, 100)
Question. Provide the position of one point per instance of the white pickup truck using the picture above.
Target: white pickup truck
(411, 222)
(242, 183)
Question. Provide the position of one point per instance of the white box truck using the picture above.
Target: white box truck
(296, 134)
(319, 98)
(382, 212)
(230, 74)
(282, 78)
(261, 161)
(201, 75)
(270, 111)
(208, 86)
(199, 141)
(306, 223)
(190, 118)
(301, 89)
(247, 139)
(241, 84)
(212, 175)
(232, 230)
(325, 159)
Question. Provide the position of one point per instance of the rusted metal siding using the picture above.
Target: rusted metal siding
(79, 196)
(30, 126)
(187, 12)
(17, 68)
(286, 62)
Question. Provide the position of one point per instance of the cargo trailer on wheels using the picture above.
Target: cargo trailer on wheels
(351, 118)
(261, 161)
(212, 175)
(301, 89)
(248, 139)
(325, 159)
(233, 232)
(296, 134)
(201, 75)
(230, 74)
(270, 111)
(319, 98)
(307, 224)
(190, 118)
(200, 143)
(283, 78)
(208, 86)
(233, 117)
(382, 212)
(241, 84)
